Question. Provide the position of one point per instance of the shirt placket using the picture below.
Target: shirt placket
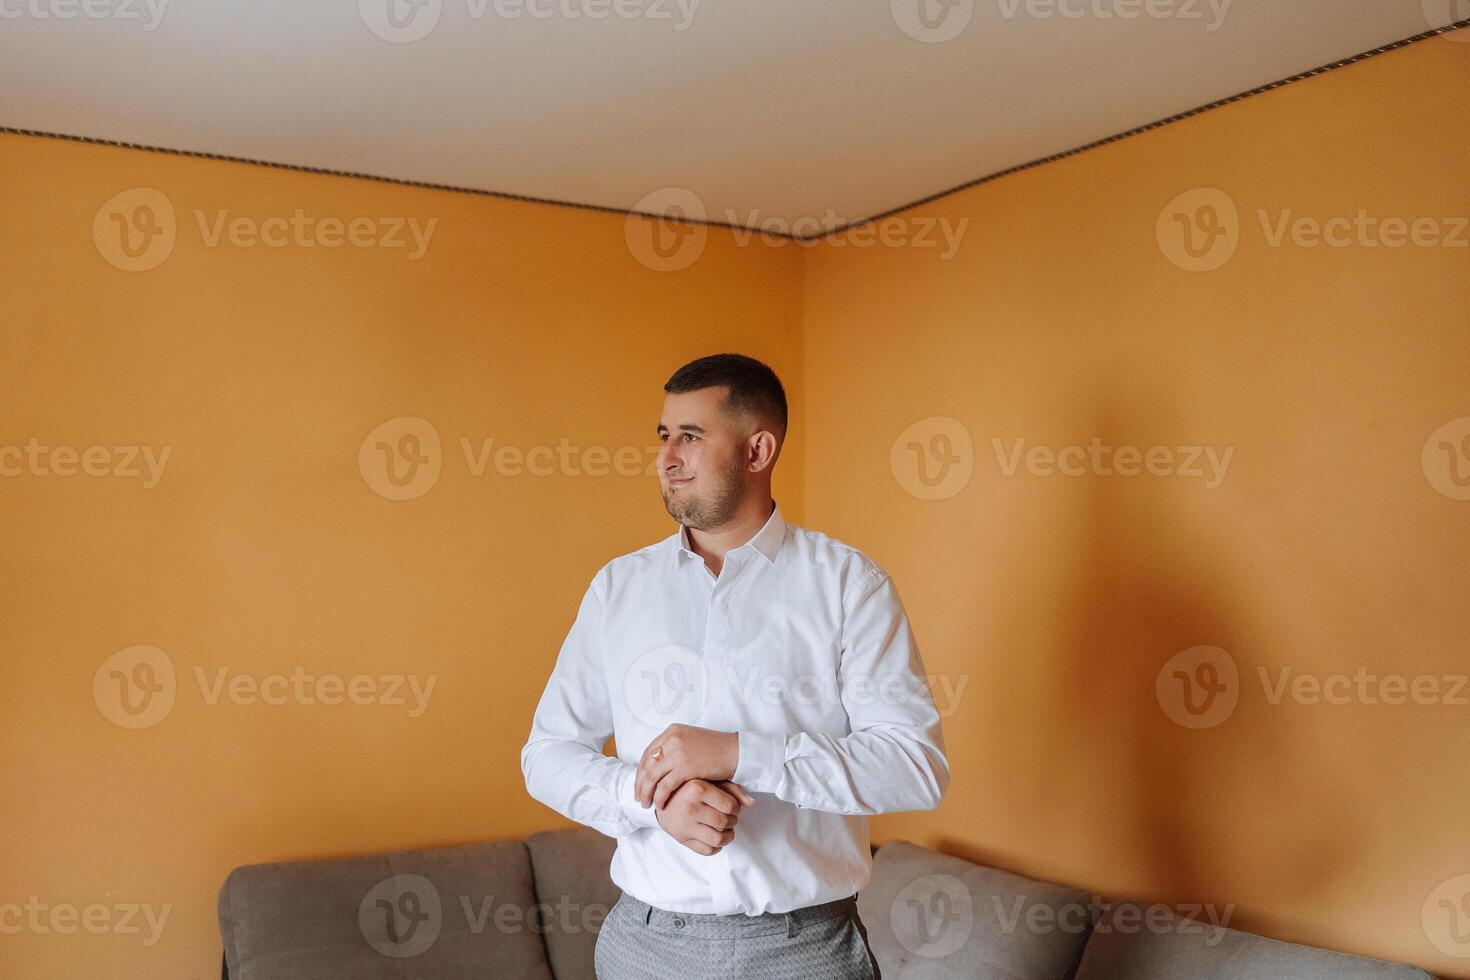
(716, 642)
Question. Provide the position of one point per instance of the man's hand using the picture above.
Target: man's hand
(701, 815)
(688, 753)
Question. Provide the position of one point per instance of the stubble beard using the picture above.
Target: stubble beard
(712, 509)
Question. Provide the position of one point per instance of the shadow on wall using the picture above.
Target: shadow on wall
(1150, 809)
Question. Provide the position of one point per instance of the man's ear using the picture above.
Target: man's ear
(760, 451)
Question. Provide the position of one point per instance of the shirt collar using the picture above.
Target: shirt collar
(767, 541)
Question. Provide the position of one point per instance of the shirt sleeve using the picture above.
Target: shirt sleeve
(894, 759)
(563, 762)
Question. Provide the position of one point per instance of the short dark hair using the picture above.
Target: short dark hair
(754, 387)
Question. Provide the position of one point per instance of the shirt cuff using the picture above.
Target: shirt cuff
(640, 815)
(762, 761)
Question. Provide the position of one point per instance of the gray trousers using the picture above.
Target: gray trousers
(639, 941)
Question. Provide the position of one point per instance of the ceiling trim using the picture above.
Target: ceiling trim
(1147, 127)
(354, 175)
(506, 195)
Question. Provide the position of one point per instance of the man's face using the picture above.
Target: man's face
(701, 467)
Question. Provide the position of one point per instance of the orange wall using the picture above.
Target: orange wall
(1045, 605)
(1057, 599)
(262, 547)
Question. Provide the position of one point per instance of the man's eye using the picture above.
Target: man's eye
(691, 437)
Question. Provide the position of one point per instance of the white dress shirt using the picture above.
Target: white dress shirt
(800, 645)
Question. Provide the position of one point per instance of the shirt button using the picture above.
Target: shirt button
(678, 923)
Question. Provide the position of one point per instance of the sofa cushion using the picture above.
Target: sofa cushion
(441, 912)
(574, 893)
(929, 916)
(1127, 943)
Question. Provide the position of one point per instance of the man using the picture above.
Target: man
(766, 695)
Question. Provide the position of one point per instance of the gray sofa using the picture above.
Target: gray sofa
(532, 909)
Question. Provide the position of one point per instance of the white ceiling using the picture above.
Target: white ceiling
(766, 109)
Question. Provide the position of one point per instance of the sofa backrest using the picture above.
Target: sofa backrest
(430, 914)
(1139, 942)
(533, 910)
(575, 892)
(931, 916)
